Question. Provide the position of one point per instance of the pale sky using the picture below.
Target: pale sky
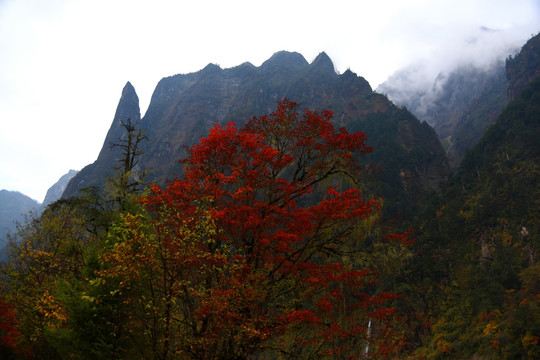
(63, 63)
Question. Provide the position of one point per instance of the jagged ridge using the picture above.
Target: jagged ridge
(184, 107)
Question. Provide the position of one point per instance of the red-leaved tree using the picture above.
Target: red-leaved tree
(267, 246)
(8, 331)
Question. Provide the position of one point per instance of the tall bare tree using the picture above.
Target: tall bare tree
(127, 179)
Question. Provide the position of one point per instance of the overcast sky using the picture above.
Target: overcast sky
(63, 63)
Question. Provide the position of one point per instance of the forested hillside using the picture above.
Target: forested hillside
(275, 236)
(267, 247)
(475, 271)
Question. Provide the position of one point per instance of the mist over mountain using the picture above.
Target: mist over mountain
(453, 102)
(185, 106)
(461, 101)
(482, 49)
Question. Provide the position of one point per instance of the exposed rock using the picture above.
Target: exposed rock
(96, 174)
(184, 107)
(522, 69)
(459, 105)
(55, 192)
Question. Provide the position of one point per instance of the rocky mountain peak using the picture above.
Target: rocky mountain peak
(354, 83)
(128, 108)
(184, 107)
(96, 173)
(128, 90)
(523, 68)
(55, 192)
(322, 63)
(211, 68)
(285, 59)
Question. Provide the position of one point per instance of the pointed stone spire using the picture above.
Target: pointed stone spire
(128, 108)
(323, 63)
(96, 173)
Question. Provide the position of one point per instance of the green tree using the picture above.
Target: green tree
(49, 281)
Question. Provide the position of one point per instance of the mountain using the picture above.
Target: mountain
(476, 254)
(481, 111)
(523, 68)
(13, 207)
(184, 107)
(96, 174)
(460, 104)
(469, 287)
(476, 270)
(55, 192)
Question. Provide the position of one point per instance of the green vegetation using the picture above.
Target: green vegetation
(476, 265)
(266, 249)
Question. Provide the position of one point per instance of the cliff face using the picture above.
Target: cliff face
(55, 192)
(460, 105)
(184, 107)
(96, 173)
(522, 69)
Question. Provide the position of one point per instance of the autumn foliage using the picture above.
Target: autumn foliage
(270, 247)
(263, 247)
(8, 331)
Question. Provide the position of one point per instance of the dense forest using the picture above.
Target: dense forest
(265, 248)
(475, 274)
(279, 239)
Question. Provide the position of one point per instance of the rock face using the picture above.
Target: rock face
(459, 105)
(96, 174)
(55, 192)
(481, 111)
(462, 104)
(522, 69)
(184, 107)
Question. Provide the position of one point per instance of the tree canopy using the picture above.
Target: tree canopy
(265, 248)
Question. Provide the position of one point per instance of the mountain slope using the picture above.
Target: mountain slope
(55, 192)
(477, 253)
(523, 68)
(460, 105)
(13, 207)
(184, 107)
